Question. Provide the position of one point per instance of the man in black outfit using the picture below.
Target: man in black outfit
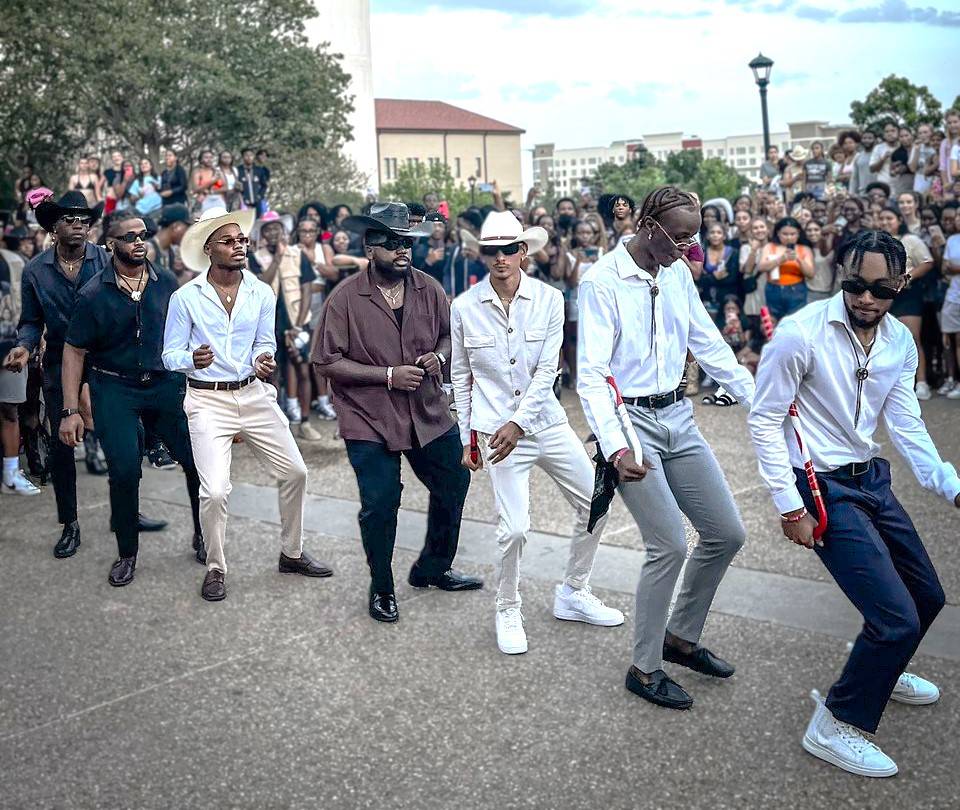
(118, 322)
(49, 289)
(173, 180)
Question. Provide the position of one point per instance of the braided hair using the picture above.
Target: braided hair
(663, 199)
(880, 242)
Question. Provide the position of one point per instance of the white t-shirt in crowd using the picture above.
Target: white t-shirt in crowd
(951, 253)
(879, 151)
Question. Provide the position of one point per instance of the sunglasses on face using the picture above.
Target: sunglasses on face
(857, 286)
(72, 220)
(232, 241)
(394, 243)
(132, 237)
(506, 250)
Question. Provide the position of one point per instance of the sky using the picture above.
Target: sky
(588, 72)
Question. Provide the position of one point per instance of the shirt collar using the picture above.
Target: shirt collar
(109, 273)
(626, 266)
(525, 290)
(366, 286)
(246, 279)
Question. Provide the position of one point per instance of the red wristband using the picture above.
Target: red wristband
(796, 518)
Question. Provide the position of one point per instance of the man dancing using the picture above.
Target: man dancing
(847, 365)
(639, 311)
(506, 333)
(383, 338)
(219, 332)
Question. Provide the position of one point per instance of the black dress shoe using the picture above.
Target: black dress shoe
(700, 660)
(450, 580)
(214, 589)
(121, 573)
(661, 690)
(199, 548)
(69, 541)
(304, 564)
(383, 607)
(145, 524)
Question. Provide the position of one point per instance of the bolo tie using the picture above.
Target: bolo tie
(654, 292)
(862, 372)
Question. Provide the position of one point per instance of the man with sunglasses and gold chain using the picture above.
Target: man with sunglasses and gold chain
(220, 333)
(847, 365)
(117, 330)
(506, 333)
(383, 339)
(639, 311)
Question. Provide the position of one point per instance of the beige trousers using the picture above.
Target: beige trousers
(215, 417)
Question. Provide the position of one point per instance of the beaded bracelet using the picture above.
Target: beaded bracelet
(796, 518)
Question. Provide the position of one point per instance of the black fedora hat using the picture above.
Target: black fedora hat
(390, 217)
(73, 203)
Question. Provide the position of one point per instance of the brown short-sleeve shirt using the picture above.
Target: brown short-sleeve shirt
(357, 324)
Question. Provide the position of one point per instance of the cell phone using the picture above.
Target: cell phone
(488, 187)
(591, 252)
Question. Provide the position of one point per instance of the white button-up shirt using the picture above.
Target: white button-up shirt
(196, 316)
(503, 368)
(642, 340)
(813, 360)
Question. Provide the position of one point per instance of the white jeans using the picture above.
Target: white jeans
(215, 417)
(560, 454)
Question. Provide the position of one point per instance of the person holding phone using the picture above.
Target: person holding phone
(219, 332)
(788, 265)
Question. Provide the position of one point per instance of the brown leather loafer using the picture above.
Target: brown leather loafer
(304, 564)
(213, 589)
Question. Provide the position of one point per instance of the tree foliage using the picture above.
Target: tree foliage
(898, 100)
(142, 75)
(413, 181)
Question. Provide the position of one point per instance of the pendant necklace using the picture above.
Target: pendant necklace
(135, 294)
(393, 295)
(223, 290)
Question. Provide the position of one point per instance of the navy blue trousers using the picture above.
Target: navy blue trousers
(874, 553)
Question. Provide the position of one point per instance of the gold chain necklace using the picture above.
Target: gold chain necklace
(223, 290)
(135, 294)
(393, 298)
(71, 267)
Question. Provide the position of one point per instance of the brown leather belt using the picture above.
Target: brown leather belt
(230, 385)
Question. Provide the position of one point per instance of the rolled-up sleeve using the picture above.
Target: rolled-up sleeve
(176, 354)
(82, 329)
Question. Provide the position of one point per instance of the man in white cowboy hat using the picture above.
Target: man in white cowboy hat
(289, 273)
(506, 333)
(220, 333)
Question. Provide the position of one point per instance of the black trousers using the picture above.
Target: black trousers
(62, 468)
(119, 407)
(438, 467)
(874, 553)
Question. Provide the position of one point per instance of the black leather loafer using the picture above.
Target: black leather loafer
(661, 690)
(383, 607)
(304, 564)
(214, 589)
(700, 660)
(145, 524)
(450, 580)
(122, 571)
(69, 541)
(199, 548)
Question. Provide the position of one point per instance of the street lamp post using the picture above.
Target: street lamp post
(472, 182)
(761, 67)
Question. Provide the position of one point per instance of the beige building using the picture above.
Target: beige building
(430, 132)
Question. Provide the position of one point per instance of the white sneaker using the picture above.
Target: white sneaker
(844, 745)
(308, 433)
(293, 411)
(19, 484)
(955, 393)
(915, 690)
(583, 606)
(511, 639)
(923, 391)
(325, 411)
(948, 385)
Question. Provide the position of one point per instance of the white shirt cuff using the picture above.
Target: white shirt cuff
(788, 500)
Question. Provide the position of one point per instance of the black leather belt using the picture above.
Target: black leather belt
(142, 377)
(230, 385)
(655, 401)
(852, 470)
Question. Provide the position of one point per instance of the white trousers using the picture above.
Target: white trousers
(215, 417)
(560, 454)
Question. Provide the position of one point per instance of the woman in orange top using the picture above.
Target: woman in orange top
(788, 265)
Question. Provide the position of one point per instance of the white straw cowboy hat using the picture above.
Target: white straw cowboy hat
(191, 247)
(503, 228)
(799, 152)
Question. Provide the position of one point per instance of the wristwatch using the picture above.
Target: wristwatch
(68, 412)
(441, 358)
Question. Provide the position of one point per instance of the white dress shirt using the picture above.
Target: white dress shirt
(813, 360)
(196, 316)
(503, 368)
(645, 355)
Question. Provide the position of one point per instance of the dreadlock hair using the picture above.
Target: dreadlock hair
(880, 242)
(664, 199)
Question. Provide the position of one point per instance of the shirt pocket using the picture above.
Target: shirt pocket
(481, 350)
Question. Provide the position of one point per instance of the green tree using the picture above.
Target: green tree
(681, 168)
(897, 99)
(148, 74)
(715, 178)
(635, 178)
(415, 180)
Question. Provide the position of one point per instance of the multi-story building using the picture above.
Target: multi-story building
(429, 132)
(568, 170)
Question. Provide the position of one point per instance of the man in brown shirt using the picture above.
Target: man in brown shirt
(384, 336)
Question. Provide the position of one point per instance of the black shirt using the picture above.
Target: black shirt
(174, 180)
(48, 299)
(121, 334)
(253, 183)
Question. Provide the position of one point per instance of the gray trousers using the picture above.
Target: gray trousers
(686, 479)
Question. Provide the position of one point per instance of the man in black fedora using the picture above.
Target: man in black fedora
(49, 290)
(383, 339)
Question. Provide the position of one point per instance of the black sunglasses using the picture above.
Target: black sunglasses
(857, 286)
(71, 219)
(132, 237)
(392, 242)
(506, 250)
